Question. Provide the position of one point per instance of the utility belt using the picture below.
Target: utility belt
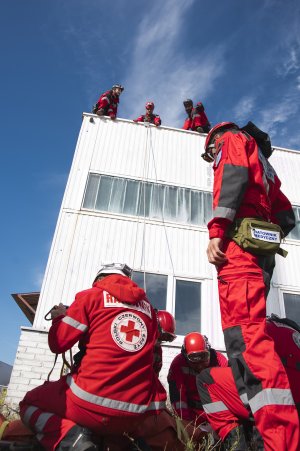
(257, 236)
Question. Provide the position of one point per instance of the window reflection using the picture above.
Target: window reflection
(152, 200)
(295, 233)
(292, 306)
(156, 287)
(188, 307)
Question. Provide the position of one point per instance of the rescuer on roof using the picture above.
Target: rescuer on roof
(108, 102)
(149, 116)
(196, 118)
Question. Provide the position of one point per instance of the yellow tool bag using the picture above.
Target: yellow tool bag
(257, 236)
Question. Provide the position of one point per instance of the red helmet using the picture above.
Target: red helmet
(166, 325)
(149, 105)
(195, 347)
(216, 128)
(208, 154)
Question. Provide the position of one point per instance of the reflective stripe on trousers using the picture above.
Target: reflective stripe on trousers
(112, 403)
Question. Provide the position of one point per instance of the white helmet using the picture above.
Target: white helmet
(114, 268)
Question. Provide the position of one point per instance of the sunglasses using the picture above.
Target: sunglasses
(196, 357)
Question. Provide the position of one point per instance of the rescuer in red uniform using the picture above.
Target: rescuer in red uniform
(197, 119)
(195, 356)
(166, 333)
(228, 416)
(149, 116)
(108, 102)
(114, 389)
(247, 186)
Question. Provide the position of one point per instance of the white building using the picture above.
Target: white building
(142, 195)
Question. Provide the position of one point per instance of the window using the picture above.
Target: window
(292, 306)
(295, 233)
(152, 200)
(156, 287)
(188, 307)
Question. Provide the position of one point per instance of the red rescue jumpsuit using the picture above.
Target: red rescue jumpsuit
(109, 104)
(183, 392)
(221, 402)
(114, 389)
(151, 118)
(197, 119)
(246, 185)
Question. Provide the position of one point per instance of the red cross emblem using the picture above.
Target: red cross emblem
(130, 331)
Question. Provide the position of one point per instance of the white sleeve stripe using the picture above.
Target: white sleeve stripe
(76, 324)
(28, 414)
(271, 396)
(214, 407)
(42, 420)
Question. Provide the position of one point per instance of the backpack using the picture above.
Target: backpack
(262, 138)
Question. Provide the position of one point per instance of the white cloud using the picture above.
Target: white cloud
(278, 119)
(159, 70)
(278, 114)
(244, 108)
(38, 277)
(293, 141)
(290, 63)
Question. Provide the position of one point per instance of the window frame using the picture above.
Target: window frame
(139, 213)
(187, 279)
(155, 274)
(283, 291)
(289, 237)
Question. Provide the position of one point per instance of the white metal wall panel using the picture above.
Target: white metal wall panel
(287, 269)
(83, 240)
(157, 153)
(80, 167)
(287, 165)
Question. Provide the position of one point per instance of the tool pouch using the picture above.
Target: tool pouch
(257, 236)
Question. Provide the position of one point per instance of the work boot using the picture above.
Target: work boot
(77, 439)
(236, 440)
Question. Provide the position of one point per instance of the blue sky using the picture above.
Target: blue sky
(240, 58)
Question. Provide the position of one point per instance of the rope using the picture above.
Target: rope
(140, 199)
(144, 177)
(161, 206)
(149, 150)
(65, 364)
(50, 372)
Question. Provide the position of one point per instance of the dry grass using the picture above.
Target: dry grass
(208, 442)
(10, 412)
